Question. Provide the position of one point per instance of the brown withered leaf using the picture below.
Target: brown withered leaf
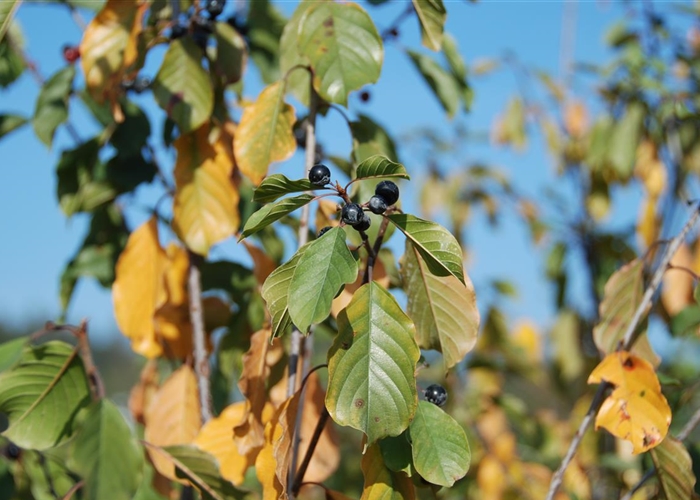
(138, 289)
(677, 287)
(142, 393)
(109, 50)
(250, 433)
(262, 264)
(173, 416)
(326, 213)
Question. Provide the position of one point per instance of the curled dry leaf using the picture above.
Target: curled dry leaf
(636, 410)
(142, 393)
(677, 287)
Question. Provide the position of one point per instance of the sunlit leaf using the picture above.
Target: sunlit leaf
(106, 455)
(441, 451)
(636, 410)
(298, 79)
(52, 104)
(432, 15)
(623, 294)
(435, 244)
(674, 468)
(11, 352)
(444, 85)
(382, 483)
(379, 166)
(138, 289)
(265, 24)
(442, 308)
(182, 87)
(624, 140)
(173, 416)
(275, 291)
(272, 212)
(277, 185)
(265, 133)
(231, 54)
(41, 395)
(371, 365)
(342, 46)
(206, 200)
(322, 270)
(9, 123)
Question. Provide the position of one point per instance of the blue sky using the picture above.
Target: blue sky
(38, 239)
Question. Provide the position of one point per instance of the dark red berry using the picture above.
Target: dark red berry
(351, 214)
(71, 53)
(377, 205)
(365, 96)
(320, 175)
(364, 224)
(389, 191)
(435, 394)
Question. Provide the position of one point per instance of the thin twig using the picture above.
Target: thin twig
(371, 259)
(77, 17)
(627, 342)
(299, 478)
(96, 385)
(296, 343)
(69, 494)
(201, 361)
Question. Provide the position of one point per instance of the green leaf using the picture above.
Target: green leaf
(277, 185)
(8, 9)
(371, 365)
(379, 166)
(231, 55)
(11, 62)
(201, 469)
(432, 15)
(458, 69)
(674, 468)
(11, 351)
(272, 212)
(343, 46)
(298, 80)
(438, 247)
(444, 85)
(106, 454)
(52, 104)
(441, 451)
(265, 25)
(623, 294)
(381, 483)
(131, 135)
(8, 123)
(41, 395)
(624, 140)
(275, 291)
(265, 133)
(397, 453)
(369, 139)
(182, 88)
(322, 270)
(687, 321)
(442, 308)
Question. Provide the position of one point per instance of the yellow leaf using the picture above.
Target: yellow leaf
(265, 134)
(138, 288)
(216, 437)
(326, 214)
(677, 287)
(382, 483)
(526, 337)
(266, 465)
(649, 224)
(108, 50)
(650, 169)
(142, 393)
(173, 416)
(205, 206)
(636, 411)
(576, 119)
(491, 478)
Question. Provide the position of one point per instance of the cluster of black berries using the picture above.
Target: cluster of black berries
(201, 24)
(435, 394)
(138, 84)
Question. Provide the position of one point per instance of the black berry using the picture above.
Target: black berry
(436, 394)
(351, 214)
(12, 451)
(364, 224)
(141, 84)
(323, 231)
(215, 7)
(320, 175)
(364, 96)
(71, 53)
(177, 31)
(389, 191)
(377, 205)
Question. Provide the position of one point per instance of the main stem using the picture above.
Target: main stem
(297, 338)
(630, 337)
(201, 361)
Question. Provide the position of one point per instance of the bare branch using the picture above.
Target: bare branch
(201, 361)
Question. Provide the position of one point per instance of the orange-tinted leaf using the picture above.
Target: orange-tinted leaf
(649, 223)
(216, 437)
(249, 433)
(623, 294)
(382, 483)
(262, 264)
(326, 214)
(576, 119)
(677, 287)
(326, 456)
(173, 417)
(108, 49)
(650, 169)
(142, 393)
(205, 206)
(526, 337)
(285, 429)
(139, 290)
(329, 494)
(265, 134)
(491, 477)
(217, 313)
(636, 410)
